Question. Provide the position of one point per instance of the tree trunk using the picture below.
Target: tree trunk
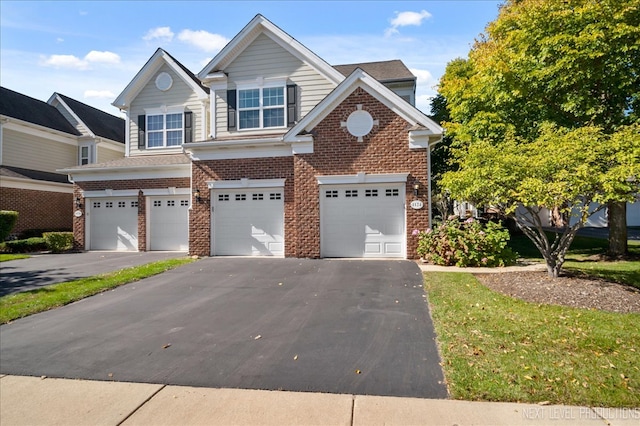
(618, 245)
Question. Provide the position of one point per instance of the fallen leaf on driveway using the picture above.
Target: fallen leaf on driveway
(166, 346)
(358, 372)
(295, 358)
(257, 337)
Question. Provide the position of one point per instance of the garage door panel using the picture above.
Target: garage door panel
(362, 221)
(113, 224)
(169, 223)
(248, 222)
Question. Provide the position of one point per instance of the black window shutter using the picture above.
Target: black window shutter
(142, 126)
(231, 110)
(292, 104)
(188, 126)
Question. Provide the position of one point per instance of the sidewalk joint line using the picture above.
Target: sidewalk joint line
(141, 405)
(353, 409)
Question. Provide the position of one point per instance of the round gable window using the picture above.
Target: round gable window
(359, 123)
(164, 81)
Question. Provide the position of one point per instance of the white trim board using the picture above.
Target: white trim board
(362, 178)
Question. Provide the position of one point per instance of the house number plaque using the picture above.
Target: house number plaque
(416, 204)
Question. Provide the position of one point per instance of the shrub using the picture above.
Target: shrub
(58, 242)
(8, 220)
(39, 232)
(27, 246)
(466, 244)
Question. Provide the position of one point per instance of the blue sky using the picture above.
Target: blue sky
(91, 50)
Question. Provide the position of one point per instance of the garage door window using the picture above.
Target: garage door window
(351, 193)
(275, 196)
(392, 193)
(331, 194)
(371, 193)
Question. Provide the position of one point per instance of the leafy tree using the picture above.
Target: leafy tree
(440, 159)
(550, 93)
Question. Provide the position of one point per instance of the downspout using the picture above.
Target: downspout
(429, 186)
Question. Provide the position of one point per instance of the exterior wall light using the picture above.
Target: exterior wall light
(196, 195)
(78, 202)
(416, 187)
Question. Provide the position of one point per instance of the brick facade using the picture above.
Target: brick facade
(38, 209)
(79, 223)
(336, 152)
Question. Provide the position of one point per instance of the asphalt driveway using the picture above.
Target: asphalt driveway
(46, 268)
(337, 326)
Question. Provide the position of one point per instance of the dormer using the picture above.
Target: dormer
(165, 106)
(263, 82)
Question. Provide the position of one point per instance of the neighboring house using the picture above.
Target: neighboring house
(38, 138)
(268, 150)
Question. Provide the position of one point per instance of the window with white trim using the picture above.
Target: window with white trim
(164, 130)
(260, 108)
(85, 154)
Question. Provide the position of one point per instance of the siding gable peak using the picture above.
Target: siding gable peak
(157, 60)
(261, 25)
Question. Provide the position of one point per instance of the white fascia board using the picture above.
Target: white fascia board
(422, 139)
(302, 147)
(35, 185)
(166, 191)
(246, 183)
(71, 112)
(235, 153)
(261, 25)
(128, 173)
(142, 78)
(139, 81)
(197, 88)
(362, 178)
(197, 146)
(110, 193)
(39, 131)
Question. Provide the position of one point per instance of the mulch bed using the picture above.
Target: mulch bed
(566, 290)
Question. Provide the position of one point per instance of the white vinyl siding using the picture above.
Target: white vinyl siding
(18, 151)
(265, 58)
(105, 154)
(150, 97)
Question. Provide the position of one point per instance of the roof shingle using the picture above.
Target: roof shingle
(382, 70)
(22, 107)
(99, 122)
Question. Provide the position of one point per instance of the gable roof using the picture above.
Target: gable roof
(25, 108)
(98, 122)
(154, 63)
(383, 71)
(356, 79)
(261, 25)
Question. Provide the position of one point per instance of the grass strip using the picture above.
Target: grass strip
(496, 348)
(14, 306)
(5, 257)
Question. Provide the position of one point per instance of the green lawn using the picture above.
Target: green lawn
(579, 255)
(26, 303)
(496, 348)
(5, 257)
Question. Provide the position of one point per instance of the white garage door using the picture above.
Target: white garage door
(362, 220)
(169, 223)
(113, 223)
(248, 222)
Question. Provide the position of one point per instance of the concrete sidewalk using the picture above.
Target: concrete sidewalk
(47, 401)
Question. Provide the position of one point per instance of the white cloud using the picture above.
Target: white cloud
(161, 33)
(71, 61)
(404, 19)
(59, 40)
(203, 40)
(99, 94)
(64, 61)
(105, 57)
(424, 76)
